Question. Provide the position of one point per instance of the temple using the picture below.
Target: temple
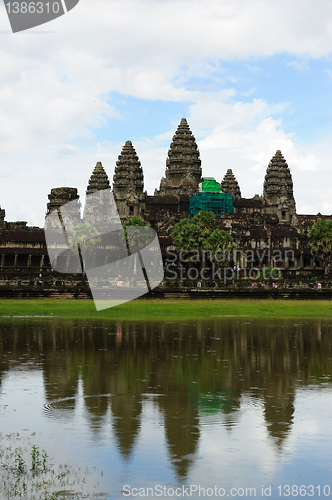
(278, 189)
(229, 184)
(183, 165)
(263, 224)
(128, 183)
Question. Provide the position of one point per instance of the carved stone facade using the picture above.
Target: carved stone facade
(62, 196)
(263, 224)
(2, 218)
(278, 189)
(229, 184)
(98, 208)
(98, 180)
(183, 165)
(128, 183)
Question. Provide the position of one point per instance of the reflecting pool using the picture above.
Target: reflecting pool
(228, 406)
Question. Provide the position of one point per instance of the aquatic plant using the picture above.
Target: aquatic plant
(26, 472)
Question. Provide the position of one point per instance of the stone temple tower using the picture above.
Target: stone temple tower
(278, 189)
(98, 180)
(61, 196)
(183, 165)
(98, 208)
(128, 183)
(229, 184)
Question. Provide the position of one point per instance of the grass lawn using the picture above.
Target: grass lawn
(156, 309)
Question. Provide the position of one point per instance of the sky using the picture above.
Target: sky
(250, 76)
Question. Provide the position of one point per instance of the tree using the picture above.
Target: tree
(187, 235)
(138, 237)
(85, 238)
(201, 233)
(320, 240)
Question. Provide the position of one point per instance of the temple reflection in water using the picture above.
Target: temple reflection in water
(198, 373)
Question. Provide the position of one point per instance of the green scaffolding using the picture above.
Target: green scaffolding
(217, 203)
(210, 185)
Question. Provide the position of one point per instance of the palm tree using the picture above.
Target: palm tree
(85, 238)
(136, 240)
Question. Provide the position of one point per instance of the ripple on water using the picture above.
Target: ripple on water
(58, 407)
(251, 403)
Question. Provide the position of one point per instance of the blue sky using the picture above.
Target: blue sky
(302, 88)
(251, 77)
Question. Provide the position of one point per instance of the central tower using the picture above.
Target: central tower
(183, 165)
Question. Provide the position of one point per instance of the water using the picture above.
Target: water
(224, 407)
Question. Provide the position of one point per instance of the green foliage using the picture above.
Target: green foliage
(138, 238)
(187, 235)
(136, 221)
(201, 233)
(20, 463)
(38, 464)
(85, 237)
(42, 480)
(205, 220)
(320, 239)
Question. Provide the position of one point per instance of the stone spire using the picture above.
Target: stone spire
(183, 165)
(98, 180)
(128, 182)
(229, 184)
(99, 208)
(278, 188)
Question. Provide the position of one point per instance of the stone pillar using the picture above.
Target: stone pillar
(29, 260)
(301, 261)
(15, 260)
(2, 259)
(41, 264)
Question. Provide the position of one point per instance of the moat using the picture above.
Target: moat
(230, 405)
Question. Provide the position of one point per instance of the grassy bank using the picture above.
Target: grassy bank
(165, 309)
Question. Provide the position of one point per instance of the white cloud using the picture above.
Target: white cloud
(54, 87)
(298, 65)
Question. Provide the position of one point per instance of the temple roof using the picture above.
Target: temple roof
(229, 184)
(247, 202)
(309, 220)
(98, 180)
(183, 152)
(278, 178)
(128, 170)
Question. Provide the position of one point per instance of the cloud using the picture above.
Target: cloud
(55, 88)
(298, 65)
